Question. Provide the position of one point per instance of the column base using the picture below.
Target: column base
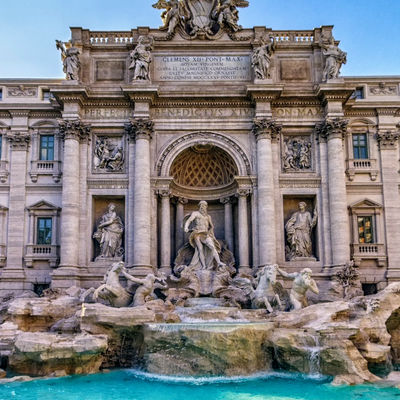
(13, 281)
(141, 271)
(66, 276)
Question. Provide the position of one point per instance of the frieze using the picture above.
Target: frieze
(202, 68)
(108, 113)
(107, 183)
(297, 112)
(21, 91)
(383, 90)
(297, 182)
(193, 112)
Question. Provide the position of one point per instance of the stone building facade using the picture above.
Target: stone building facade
(207, 122)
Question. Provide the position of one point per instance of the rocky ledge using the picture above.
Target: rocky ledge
(353, 341)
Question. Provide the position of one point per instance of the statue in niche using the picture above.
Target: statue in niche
(71, 62)
(141, 58)
(302, 282)
(261, 58)
(296, 154)
(147, 285)
(108, 156)
(109, 234)
(299, 228)
(203, 240)
(334, 60)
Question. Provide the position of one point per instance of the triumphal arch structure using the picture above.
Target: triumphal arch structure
(299, 166)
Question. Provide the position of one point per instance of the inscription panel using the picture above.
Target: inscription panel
(110, 70)
(201, 113)
(202, 68)
(108, 113)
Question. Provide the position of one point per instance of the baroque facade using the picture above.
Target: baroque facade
(299, 166)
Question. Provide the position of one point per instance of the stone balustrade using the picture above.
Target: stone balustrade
(293, 36)
(4, 171)
(41, 252)
(110, 38)
(362, 166)
(371, 251)
(39, 167)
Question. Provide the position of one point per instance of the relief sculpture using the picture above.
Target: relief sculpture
(296, 154)
(108, 155)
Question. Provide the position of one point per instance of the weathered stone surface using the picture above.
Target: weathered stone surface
(40, 313)
(40, 353)
(95, 318)
(2, 373)
(208, 349)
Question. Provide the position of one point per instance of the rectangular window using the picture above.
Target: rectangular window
(358, 93)
(46, 95)
(365, 230)
(44, 230)
(1, 94)
(360, 148)
(46, 147)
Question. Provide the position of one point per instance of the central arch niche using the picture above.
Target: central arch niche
(203, 166)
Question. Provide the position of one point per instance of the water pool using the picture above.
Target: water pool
(133, 385)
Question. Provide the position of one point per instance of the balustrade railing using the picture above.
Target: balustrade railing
(41, 252)
(110, 38)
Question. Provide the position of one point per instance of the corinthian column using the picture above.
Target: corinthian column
(72, 132)
(388, 145)
(165, 195)
(140, 130)
(265, 130)
(333, 131)
(179, 234)
(228, 226)
(13, 275)
(243, 231)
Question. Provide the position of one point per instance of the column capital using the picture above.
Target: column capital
(74, 129)
(182, 200)
(164, 192)
(140, 128)
(331, 128)
(226, 200)
(243, 192)
(266, 128)
(19, 140)
(388, 139)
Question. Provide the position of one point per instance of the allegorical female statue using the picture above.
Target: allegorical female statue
(299, 228)
(141, 58)
(109, 234)
(71, 61)
(261, 59)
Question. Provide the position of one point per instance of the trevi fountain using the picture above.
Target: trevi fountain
(235, 276)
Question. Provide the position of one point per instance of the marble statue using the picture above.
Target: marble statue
(71, 62)
(111, 290)
(334, 60)
(200, 18)
(108, 157)
(109, 234)
(261, 59)
(147, 285)
(187, 282)
(265, 295)
(171, 16)
(141, 58)
(202, 239)
(302, 282)
(296, 154)
(298, 229)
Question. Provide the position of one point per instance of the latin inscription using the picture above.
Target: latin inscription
(107, 113)
(170, 113)
(202, 68)
(297, 113)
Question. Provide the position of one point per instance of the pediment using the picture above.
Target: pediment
(366, 203)
(43, 205)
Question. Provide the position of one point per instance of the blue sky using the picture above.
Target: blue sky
(369, 30)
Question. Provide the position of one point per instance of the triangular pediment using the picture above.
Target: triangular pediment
(366, 203)
(43, 205)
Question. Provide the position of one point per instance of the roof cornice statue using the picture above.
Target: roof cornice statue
(201, 19)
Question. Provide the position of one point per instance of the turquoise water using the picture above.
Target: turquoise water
(133, 385)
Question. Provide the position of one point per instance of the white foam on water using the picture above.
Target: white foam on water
(206, 380)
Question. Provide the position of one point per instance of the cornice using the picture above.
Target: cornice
(141, 93)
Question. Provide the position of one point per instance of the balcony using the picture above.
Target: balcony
(369, 251)
(362, 166)
(3, 255)
(40, 167)
(42, 252)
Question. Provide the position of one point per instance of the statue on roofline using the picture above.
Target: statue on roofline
(71, 62)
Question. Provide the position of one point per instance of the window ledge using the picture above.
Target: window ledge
(369, 251)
